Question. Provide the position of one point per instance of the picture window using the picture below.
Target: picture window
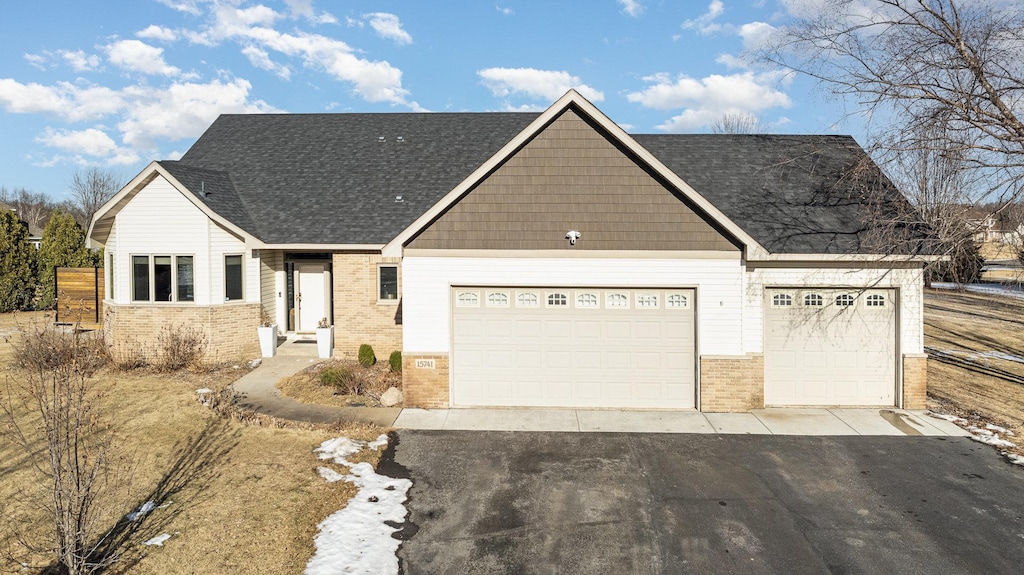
(388, 283)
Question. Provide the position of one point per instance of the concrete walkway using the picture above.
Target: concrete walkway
(761, 421)
(259, 392)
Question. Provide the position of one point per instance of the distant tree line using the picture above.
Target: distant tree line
(26, 273)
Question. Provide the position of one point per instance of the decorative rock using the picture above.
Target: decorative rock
(391, 397)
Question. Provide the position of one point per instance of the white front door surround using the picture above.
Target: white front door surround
(312, 295)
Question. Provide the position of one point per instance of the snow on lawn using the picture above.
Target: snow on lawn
(988, 434)
(356, 539)
(986, 289)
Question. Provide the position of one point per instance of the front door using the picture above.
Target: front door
(311, 295)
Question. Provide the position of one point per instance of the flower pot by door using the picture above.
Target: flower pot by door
(268, 340)
(325, 341)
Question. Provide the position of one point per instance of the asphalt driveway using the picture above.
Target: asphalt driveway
(571, 503)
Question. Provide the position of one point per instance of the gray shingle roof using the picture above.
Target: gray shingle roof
(796, 193)
(328, 179)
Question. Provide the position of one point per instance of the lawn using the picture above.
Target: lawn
(976, 356)
(236, 497)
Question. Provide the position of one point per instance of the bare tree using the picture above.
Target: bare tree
(737, 123)
(33, 208)
(910, 64)
(89, 190)
(50, 414)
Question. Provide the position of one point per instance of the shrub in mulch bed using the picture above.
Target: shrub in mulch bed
(341, 382)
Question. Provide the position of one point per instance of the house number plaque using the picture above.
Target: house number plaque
(424, 364)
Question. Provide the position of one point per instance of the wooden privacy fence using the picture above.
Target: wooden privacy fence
(79, 295)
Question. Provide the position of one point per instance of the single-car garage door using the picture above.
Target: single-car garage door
(830, 347)
(573, 347)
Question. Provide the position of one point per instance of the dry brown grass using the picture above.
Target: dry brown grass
(997, 251)
(972, 340)
(306, 386)
(242, 493)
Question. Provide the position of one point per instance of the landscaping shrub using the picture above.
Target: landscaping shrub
(180, 347)
(366, 356)
(395, 360)
(43, 347)
(345, 379)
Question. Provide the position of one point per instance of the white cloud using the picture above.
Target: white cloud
(36, 60)
(756, 34)
(79, 60)
(304, 9)
(154, 32)
(187, 6)
(632, 7)
(548, 85)
(184, 110)
(65, 100)
(92, 143)
(261, 59)
(505, 11)
(137, 56)
(705, 100)
(387, 26)
(373, 81)
(705, 23)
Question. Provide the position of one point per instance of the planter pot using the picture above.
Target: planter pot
(268, 340)
(325, 341)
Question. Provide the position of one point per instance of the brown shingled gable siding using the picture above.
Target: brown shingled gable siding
(571, 177)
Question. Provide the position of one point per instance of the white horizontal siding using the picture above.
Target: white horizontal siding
(160, 220)
(909, 282)
(427, 282)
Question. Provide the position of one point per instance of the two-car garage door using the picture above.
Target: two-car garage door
(830, 347)
(573, 347)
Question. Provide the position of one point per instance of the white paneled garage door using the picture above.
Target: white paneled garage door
(830, 347)
(573, 347)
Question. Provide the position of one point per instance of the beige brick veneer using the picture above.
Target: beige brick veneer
(358, 316)
(230, 329)
(731, 383)
(915, 380)
(422, 387)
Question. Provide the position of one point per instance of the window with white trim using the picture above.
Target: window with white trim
(646, 300)
(677, 301)
(844, 300)
(527, 299)
(875, 300)
(467, 299)
(616, 300)
(557, 299)
(166, 278)
(782, 300)
(814, 300)
(497, 299)
(233, 278)
(586, 300)
(387, 283)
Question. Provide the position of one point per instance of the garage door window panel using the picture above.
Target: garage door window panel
(677, 301)
(558, 299)
(527, 299)
(616, 300)
(467, 299)
(647, 300)
(587, 300)
(497, 299)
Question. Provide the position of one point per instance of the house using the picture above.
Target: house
(35, 235)
(524, 259)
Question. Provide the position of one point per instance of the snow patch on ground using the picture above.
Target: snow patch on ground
(988, 434)
(158, 540)
(986, 289)
(356, 539)
(142, 511)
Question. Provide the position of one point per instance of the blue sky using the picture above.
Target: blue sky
(117, 84)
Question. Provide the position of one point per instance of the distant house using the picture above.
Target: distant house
(524, 259)
(35, 235)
